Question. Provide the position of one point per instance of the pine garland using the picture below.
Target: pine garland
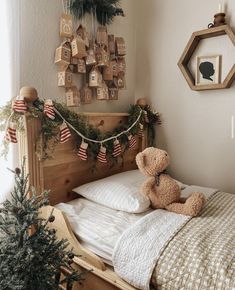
(105, 10)
(31, 255)
(50, 128)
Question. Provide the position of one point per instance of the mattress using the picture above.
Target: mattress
(98, 227)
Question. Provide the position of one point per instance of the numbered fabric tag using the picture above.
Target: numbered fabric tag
(49, 109)
(102, 155)
(117, 149)
(132, 142)
(19, 105)
(11, 133)
(82, 152)
(64, 133)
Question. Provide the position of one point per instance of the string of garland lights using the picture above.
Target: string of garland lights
(59, 123)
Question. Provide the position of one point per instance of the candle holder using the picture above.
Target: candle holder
(219, 19)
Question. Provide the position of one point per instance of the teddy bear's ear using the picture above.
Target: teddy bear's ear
(141, 160)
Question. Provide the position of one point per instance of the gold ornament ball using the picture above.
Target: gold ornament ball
(30, 94)
(142, 102)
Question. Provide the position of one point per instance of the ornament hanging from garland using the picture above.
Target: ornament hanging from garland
(98, 57)
(65, 133)
(10, 135)
(82, 152)
(19, 105)
(101, 157)
(117, 149)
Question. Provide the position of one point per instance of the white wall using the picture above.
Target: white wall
(39, 39)
(196, 128)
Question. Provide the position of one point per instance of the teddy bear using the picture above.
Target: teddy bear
(162, 190)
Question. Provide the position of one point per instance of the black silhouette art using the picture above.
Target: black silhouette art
(207, 70)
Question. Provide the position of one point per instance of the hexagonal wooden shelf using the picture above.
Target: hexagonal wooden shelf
(189, 50)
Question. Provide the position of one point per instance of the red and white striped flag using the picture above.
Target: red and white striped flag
(117, 148)
(132, 142)
(49, 109)
(11, 133)
(65, 133)
(82, 152)
(102, 155)
(19, 105)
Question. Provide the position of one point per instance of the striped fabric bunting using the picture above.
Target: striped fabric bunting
(64, 133)
(19, 105)
(102, 155)
(49, 109)
(117, 149)
(82, 152)
(141, 130)
(11, 133)
(132, 142)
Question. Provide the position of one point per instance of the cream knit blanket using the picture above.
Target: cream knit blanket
(139, 248)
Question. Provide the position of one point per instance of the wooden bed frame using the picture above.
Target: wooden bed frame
(64, 172)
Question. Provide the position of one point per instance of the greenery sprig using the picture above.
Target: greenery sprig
(105, 10)
(50, 128)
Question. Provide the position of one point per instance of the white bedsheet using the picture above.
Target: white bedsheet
(98, 227)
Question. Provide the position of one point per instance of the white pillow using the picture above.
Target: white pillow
(120, 191)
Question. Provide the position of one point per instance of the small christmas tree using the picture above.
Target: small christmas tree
(31, 257)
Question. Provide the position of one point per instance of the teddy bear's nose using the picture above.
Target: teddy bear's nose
(166, 154)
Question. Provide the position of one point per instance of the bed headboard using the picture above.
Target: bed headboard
(65, 170)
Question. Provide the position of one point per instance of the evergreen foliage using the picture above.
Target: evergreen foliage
(50, 128)
(104, 10)
(30, 254)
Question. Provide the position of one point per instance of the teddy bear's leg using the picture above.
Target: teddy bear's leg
(191, 207)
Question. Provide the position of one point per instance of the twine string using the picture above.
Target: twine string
(63, 6)
(99, 141)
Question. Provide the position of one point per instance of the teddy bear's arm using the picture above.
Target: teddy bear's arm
(148, 186)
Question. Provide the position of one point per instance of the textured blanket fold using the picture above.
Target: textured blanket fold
(202, 254)
(140, 247)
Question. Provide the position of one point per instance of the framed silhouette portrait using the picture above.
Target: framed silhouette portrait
(208, 70)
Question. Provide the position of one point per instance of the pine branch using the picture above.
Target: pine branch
(104, 10)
